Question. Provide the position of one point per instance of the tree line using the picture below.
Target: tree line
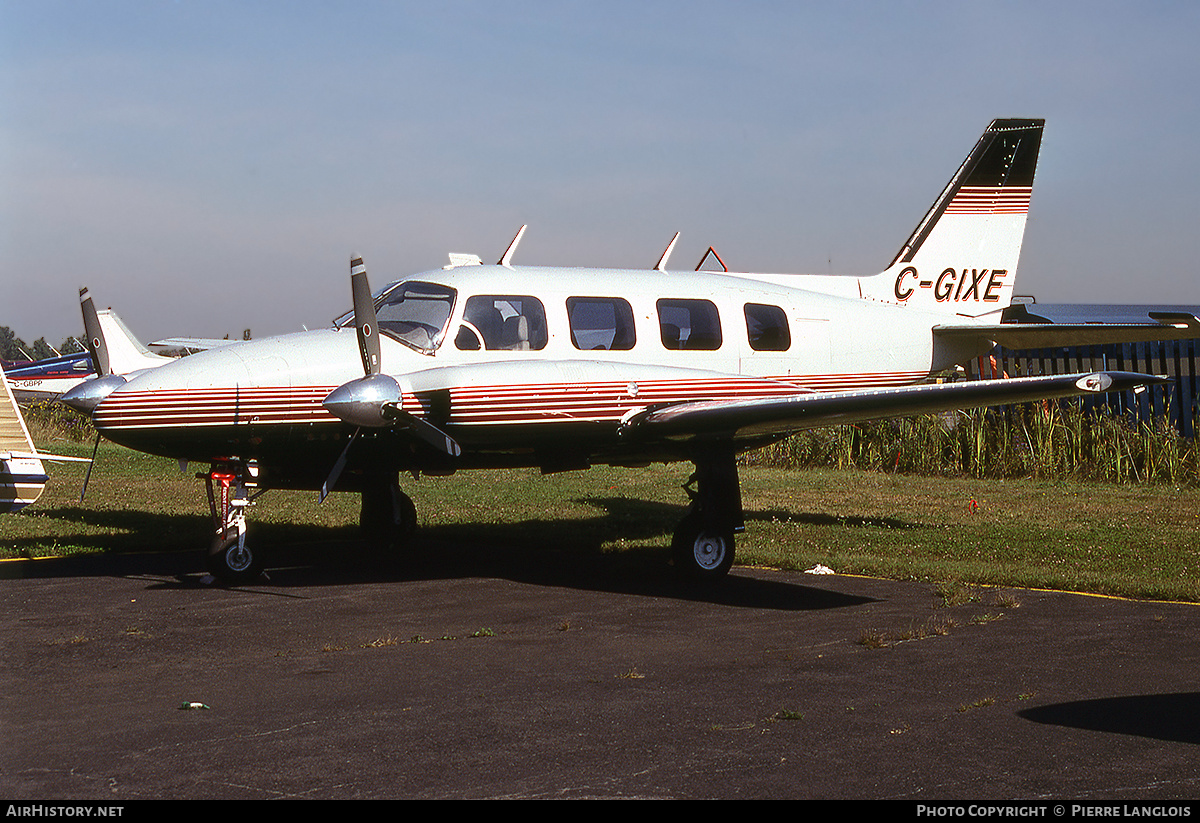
(14, 348)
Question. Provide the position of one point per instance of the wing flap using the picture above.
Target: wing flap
(765, 417)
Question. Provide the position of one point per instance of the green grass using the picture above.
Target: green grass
(1135, 540)
(1132, 540)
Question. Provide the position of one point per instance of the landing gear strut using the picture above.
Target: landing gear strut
(388, 517)
(232, 487)
(703, 546)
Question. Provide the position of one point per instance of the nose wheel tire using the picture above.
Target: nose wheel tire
(230, 564)
(701, 552)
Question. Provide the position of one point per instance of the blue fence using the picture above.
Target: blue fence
(1178, 401)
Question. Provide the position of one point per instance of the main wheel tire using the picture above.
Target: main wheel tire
(701, 552)
(230, 564)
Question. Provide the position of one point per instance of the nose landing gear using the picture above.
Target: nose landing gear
(230, 484)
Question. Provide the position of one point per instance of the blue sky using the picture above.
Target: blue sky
(204, 167)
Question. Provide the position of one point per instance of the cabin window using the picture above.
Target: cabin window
(767, 328)
(601, 323)
(689, 325)
(502, 323)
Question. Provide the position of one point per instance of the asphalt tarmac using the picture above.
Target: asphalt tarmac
(468, 675)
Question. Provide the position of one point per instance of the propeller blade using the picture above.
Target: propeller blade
(425, 430)
(364, 317)
(330, 481)
(95, 335)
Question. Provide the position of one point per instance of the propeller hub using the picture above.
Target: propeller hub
(85, 397)
(361, 402)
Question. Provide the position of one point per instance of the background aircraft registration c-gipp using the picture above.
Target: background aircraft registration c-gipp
(483, 366)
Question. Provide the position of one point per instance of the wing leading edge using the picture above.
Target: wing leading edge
(750, 420)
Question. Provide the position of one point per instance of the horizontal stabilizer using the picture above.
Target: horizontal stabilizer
(1021, 336)
(755, 419)
(196, 343)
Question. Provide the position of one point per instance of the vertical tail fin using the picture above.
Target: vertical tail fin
(125, 352)
(962, 257)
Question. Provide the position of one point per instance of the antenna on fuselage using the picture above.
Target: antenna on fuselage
(661, 265)
(712, 253)
(512, 247)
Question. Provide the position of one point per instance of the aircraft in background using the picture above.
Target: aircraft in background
(22, 472)
(49, 378)
(195, 344)
(476, 367)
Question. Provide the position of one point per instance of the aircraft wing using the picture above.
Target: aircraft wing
(194, 343)
(1021, 336)
(744, 420)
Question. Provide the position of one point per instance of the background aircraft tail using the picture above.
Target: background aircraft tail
(962, 257)
(125, 352)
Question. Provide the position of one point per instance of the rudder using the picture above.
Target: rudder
(962, 257)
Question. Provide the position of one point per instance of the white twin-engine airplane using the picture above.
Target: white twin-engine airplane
(475, 367)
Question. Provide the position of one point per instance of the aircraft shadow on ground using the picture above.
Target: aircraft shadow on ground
(1174, 717)
(552, 552)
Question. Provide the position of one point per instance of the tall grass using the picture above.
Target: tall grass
(1034, 440)
(49, 420)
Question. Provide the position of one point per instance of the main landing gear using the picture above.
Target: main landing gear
(388, 518)
(703, 546)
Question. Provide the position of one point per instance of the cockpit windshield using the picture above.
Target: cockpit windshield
(413, 312)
